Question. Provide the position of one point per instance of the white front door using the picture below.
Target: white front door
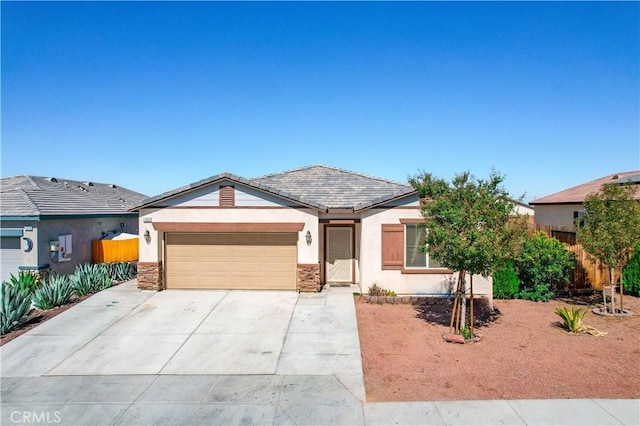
(339, 259)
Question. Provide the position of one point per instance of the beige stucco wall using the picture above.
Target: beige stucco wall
(153, 252)
(557, 215)
(371, 259)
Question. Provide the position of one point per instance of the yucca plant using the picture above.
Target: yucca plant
(56, 292)
(14, 307)
(572, 318)
(26, 282)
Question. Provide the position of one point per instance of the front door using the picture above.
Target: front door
(339, 260)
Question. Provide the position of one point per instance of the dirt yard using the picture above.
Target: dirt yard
(523, 354)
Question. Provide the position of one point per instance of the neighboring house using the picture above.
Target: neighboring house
(558, 212)
(47, 224)
(522, 209)
(298, 229)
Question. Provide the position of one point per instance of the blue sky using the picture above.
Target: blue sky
(152, 96)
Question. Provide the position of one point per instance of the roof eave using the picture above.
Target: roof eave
(382, 200)
(233, 178)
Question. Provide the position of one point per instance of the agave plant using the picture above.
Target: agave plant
(14, 308)
(572, 318)
(56, 292)
(26, 282)
(121, 271)
(89, 278)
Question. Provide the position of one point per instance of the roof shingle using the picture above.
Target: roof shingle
(317, 186)
(38, 196)
(577, 194)
(336, 188)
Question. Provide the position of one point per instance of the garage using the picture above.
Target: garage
(10, 254)
(244, 260)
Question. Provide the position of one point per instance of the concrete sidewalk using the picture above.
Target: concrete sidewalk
(206, 358)
(271, 400)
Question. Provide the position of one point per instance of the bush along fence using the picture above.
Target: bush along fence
(26, 291)
(587, 274)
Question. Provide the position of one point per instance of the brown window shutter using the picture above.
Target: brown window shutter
(227, 196)
(392, 246)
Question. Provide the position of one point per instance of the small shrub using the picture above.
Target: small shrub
(572, 318)
(26, 282)
(56, 292)
(631, 274)
(539, 293)
(506, 283)
(543, 264)
(14, 308)
(466, 332)
(89, 278)
(376, 290)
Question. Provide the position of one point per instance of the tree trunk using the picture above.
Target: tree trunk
(613, 292)
(604, 298)
(463, 313)
(454, 311)
(621, 294)
(471, 318)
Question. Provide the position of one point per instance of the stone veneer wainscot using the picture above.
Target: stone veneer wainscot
(308, 277)
(150, 276)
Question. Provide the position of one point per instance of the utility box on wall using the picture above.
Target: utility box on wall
(66, 249)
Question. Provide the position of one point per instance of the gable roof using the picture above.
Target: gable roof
(320, 187)
(577, 194)
(226, 176)
(40, 196)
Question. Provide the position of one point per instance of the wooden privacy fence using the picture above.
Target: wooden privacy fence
(587, 274)
(103, 251)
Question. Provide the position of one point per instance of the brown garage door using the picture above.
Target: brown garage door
(231, 261)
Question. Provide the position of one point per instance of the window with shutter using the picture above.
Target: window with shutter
(392, 246)
(227, 196)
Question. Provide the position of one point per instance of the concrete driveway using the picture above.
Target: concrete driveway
(123, 355)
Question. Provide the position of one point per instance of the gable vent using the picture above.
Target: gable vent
(227, 196)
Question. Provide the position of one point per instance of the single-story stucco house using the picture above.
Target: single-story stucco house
(47, 224)
(298, 230)
(560, 210)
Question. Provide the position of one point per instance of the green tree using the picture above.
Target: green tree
(611, 230)
(468, 228)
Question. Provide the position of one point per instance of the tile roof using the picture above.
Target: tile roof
(577, 194)
(317, 186)
(38, 196)
(227, 177)
(336, 188)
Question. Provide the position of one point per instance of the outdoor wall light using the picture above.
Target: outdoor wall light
(147, 236)
(308, 237)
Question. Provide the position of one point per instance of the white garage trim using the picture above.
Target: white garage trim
(228, 227)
